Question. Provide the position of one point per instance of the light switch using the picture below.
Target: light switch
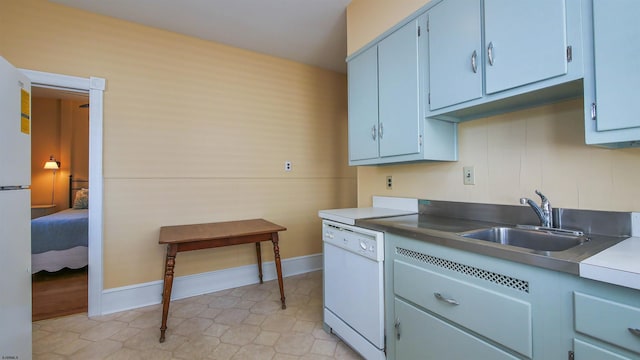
(469, 177)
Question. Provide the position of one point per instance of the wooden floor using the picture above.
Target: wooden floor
(59, 294)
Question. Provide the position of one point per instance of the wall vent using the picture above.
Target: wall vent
(508, 281)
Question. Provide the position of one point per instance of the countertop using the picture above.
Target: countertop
(619, 264)
(351, 215)
(444, 231)
(383, 206)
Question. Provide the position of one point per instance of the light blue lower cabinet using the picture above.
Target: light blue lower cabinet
(454, 304)
(446, 303)
(608, 316)
(585, 351)
(497, 317)
(420, 335)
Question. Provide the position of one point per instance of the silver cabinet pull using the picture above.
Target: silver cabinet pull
(490, 53)
(397, 326)
(635, 332)
(448, 301)
(474, 64)
(594, 112)
(380, 131)
(373, 132)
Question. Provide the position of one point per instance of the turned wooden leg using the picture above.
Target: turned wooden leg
(259, 253)
(168, 284)
(276, 253)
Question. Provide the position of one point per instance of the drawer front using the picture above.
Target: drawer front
(586, 351)
(501, 318)
(423, 336)
(609, 321)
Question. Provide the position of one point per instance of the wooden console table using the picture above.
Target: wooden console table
(204, 236)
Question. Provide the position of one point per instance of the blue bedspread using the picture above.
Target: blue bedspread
(60, 231)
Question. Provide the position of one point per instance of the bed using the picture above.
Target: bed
(60, 240)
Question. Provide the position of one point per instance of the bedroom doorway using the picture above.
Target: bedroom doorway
(95, 87)
(60, 142)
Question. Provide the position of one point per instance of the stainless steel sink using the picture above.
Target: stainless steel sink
(535, 238)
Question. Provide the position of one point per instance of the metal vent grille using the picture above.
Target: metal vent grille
(517, 284)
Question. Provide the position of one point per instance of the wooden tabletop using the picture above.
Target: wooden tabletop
(219, 230)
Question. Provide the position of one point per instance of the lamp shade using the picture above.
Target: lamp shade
(52, 164)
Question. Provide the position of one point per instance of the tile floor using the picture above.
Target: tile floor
(240, 323)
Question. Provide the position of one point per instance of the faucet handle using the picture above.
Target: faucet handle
(523, 201)
(542, 197)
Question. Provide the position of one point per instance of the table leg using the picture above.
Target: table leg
(276, 253)
(168, 284)
(259, 253)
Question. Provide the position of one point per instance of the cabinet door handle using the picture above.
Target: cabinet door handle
(397, 326)
(447, 300)
(490, 53)
(380, 131)
(474, 64)
(373, 132)
(635, 332)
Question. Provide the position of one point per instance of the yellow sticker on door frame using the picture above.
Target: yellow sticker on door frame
(25, 111)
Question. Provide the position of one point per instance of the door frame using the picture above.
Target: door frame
(95, 86)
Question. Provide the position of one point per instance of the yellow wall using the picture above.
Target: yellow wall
(194, 131)
(367, 19)
(79, 139)
(45, 141)
(513, 154)
(59, 128)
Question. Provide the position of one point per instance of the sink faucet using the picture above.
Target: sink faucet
(543, 211)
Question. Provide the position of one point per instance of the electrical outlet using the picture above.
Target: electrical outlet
(469, 178)
(287, 166)
(389, 182)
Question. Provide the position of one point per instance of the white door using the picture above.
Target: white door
(15, 213)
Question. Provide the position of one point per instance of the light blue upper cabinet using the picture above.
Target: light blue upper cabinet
(362, 72)
(398, 88)
(494, 56)
(611, 85)
(616, 39)
(386, 112)
(525, 42)
(455, 53)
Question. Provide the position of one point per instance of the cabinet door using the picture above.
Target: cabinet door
(399, 96)
(617, 70)
(455, 53)
(586, 351)
(363, 105)
(525, 42)
(423, 336)
(613, 323)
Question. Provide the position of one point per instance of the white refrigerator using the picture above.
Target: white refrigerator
(15, 213)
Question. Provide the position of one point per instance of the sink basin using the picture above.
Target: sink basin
(541, 240)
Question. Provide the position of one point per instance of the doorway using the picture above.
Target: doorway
(59, 221)
(95, 87)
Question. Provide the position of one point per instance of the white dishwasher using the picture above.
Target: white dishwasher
(354, 273)
(354, 286)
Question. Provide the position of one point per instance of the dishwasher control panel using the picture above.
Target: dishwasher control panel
(358, 240)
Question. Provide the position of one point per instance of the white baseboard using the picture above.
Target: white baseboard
(145, 294)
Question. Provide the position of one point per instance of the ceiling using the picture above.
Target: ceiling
(312, 32)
